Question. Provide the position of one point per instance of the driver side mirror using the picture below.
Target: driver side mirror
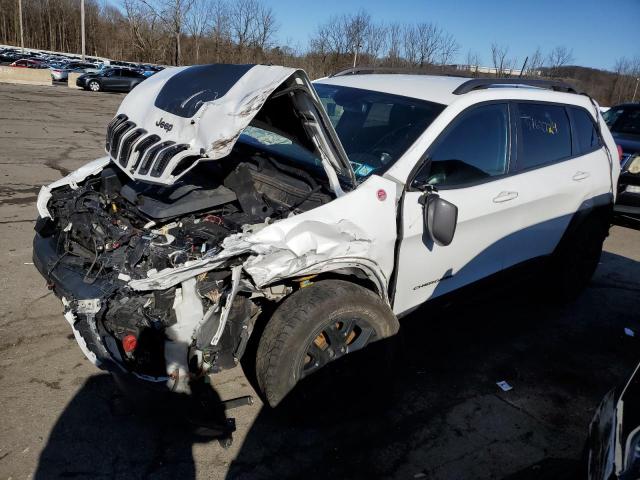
(440, 218)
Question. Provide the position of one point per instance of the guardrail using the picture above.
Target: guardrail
(27, 76)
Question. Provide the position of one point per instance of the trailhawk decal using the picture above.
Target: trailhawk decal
(446, 277)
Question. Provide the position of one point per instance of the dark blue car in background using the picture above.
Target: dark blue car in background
(624, 123)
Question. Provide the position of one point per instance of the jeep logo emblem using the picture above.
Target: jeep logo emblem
(162, 124)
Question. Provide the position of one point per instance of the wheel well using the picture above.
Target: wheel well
(600, 214)
(350, 274)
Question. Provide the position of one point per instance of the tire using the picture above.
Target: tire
(94, 86)
(575, 262)
(310, 324)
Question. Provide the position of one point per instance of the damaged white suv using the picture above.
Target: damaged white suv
(340, 206)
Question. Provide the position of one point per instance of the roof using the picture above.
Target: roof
(432, 88)
(447, 89)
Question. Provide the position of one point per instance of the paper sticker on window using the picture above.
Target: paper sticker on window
(547, 126)
(364, 170)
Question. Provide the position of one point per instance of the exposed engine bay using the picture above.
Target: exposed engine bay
(112, 229)
(224, 189)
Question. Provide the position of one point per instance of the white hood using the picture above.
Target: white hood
(185, 115)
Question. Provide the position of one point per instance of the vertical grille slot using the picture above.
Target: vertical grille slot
(118, 132)
(117, 120)
(127, 145)
(164, 157)
(148, 158)
(142, 148)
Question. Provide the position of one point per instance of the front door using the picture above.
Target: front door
(469, 165)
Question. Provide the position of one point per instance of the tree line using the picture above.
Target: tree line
(182, 32)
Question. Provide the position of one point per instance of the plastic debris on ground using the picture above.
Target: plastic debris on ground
(504, 386)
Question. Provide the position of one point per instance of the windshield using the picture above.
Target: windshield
(375, 128)
(623, 119)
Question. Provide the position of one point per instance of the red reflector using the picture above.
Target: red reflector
(382, 195)
(129, 343)
(620, 152)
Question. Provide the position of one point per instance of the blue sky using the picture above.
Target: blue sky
(598, 31)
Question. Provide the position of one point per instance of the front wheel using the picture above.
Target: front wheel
(94, 86)
(318, 325)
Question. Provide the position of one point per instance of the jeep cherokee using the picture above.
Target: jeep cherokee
(339, 206)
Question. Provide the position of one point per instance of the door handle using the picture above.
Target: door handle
(580, 176)
(505, 197)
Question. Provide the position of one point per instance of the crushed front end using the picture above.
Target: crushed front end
(97, 242)
(148, 248)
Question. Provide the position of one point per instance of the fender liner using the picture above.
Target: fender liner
(369, 268)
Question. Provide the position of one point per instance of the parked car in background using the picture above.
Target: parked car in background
(613, 445)
(29, 63)
(111, 79)
(9, 55)
(61, 71)
(148, 70)
(624, 123)
(83, 67)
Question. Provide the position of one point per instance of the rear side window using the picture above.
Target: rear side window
(586, 137)
(475, 149)
(545, 134)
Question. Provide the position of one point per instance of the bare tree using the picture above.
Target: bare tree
(198, 23)
(626, 73)
(220, 29)
(355, 28)
(241, 22)
(448, 49)
(473, 62)
(172, 13)
(375, 40)
(559, 57)
(410, 44)
(146, 33)
(394, 40)
(535, 64)
(499, 58)
(336, 35)
(429, 41)
(265, 27)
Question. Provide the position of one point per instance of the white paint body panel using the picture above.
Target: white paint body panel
(475, 252)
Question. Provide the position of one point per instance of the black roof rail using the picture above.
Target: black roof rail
(371, 70)
(481, 83)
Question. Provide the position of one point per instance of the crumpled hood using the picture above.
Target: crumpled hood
(184, 115)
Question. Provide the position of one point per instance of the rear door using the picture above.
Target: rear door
(554, 172)
(115, 80)
(469, 165)
(129, 80)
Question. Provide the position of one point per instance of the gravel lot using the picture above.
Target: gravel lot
(447, 419)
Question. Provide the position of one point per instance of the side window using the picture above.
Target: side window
(476, 148)
(586, 136)
(545, 134)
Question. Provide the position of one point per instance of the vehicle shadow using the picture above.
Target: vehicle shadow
(99, 435)
(436, 412)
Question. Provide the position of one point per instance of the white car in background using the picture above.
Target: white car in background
(61, 72)
(340, 206)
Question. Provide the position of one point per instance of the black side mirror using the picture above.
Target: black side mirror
(440, 218)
